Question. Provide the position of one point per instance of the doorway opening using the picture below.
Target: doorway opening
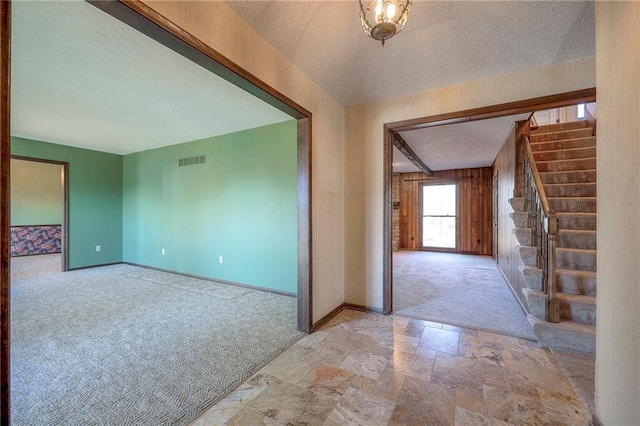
(486, 239)
(39, 208)
(144, 19)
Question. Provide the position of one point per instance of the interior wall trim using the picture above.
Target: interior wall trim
(363, 308)
(214, 280)
(5, 200)
(325, 319)
(99, 265)
(499, 110)
(491, 111)
(321, 322)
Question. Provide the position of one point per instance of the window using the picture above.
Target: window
(439, 211)
(581, 111)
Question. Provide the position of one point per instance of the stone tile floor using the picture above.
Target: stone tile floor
(368, 369)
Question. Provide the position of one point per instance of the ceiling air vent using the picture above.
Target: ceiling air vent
(192, 161)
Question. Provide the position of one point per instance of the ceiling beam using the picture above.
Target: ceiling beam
(407, 151)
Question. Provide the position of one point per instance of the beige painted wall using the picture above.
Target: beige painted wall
(36, 193)
(618, 156)
(215, 24)
(364, 172)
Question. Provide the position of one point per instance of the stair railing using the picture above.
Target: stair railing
(544, 229)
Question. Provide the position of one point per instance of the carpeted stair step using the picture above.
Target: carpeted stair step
(569, 176)
(566, 258)
(570, 189)
(523, 236)
(558, 127)
(528, 255)
(532, 277)
(566, 165)
(576, 282)
(520, 219)
(573, 307)
(517, 204)
(578, 239)
(569, 258)
(565, 154)
(536, 302)
(563, 134)
(578, 308)
(573, 204)
(585, 221)
(568, 281)
(564, 144)
(566, 334)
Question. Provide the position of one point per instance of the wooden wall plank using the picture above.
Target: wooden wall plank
(475, 210)
(508, 257)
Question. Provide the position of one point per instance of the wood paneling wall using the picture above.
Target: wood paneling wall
(395, 192)
(475, 233)
(508, 169)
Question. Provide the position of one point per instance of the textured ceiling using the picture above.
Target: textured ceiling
(444, 42)
(82, 78)
(461, 145)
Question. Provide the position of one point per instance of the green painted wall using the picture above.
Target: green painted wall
(241, 204)
(95, 199)
(36, 193)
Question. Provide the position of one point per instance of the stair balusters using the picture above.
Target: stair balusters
(544, 229)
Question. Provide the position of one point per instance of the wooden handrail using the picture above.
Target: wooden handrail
(544, 230)
(533, 123)
(536, 176)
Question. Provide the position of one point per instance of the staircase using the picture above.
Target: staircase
(565, 155)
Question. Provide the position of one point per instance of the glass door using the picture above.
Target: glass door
(439, 216)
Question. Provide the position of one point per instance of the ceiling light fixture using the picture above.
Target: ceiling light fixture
(383, 19)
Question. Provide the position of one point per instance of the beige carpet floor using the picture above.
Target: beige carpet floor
(457, 289)
(124, 345)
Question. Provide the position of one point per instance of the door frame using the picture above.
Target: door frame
(65, 204)
(494, 214)
(149, 22)
(474, 114)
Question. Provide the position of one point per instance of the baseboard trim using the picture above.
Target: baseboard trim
(36, 254)
(363, 308)
(79, 268)
(216, 280)
(325, 319)
(595, 421)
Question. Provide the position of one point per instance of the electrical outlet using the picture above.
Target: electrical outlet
(220, 259)
(98, 247)
(163, 251)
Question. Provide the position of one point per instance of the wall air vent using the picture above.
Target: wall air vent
(192, 161)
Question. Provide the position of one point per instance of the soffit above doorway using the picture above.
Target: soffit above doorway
(82, 78)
